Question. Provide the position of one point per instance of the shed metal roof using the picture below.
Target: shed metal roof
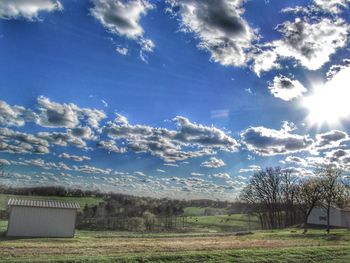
(43, 203)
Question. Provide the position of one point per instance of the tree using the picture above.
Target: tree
(266, 193)
(308, 194)
(148, 220)
(289, 191)
(332, 187)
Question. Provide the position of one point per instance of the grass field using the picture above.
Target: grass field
(81, 200)
(199, 211)
(236, 222)
(268, 246)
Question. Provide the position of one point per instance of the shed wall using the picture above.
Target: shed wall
(41, 222)
(338, 218)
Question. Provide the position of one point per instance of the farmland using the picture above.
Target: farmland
(262, 246)
(212, 238)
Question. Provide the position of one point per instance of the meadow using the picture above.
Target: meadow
(262, 246)
(205, 239)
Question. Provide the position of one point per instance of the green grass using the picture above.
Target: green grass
(3, 226)
(81, 200)
(199, 211)
(284, 255)
(283, 246)
(235, 222)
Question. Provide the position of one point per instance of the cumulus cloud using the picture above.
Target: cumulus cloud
(296, 160)
(170, 145)
(250, 169)
(122, 50)
(330, 139)
(219, 27)
(332, 6)
(15, 115)
(74, 157)
(196, 174)
(53, 114)
(264, 141)
(309, 43)
(286, 89)
(213, 162)
(123, 18)
(27, 9)
(110, 146)
(222, 175)
(4, 162)
(20, 142)
(62, 139)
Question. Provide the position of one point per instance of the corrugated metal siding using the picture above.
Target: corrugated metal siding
(339, 218)
(41, 222)
(43, 203)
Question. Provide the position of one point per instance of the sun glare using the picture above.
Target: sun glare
(330, 102)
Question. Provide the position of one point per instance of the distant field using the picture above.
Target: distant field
(199, 211)
(235, 222)
(263, 246)
(81, 200)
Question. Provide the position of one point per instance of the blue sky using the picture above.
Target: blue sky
(171, 98)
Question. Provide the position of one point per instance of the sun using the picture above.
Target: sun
(330, 102)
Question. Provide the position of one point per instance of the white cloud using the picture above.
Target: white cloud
(123, 18)
(196, 174)
(309, 43)
(170, 145)
(264, 141)
(138, 173)
(213, 162)
(332, 6)
(251, 168)
(64, 115)
(62, 139)
(122, 50)
(27, 9)
(20, 142)
(286, 89)
(4, 162)
(15, 115)
(219, 27)
(74, 157)
(330, 139)
(222, 176)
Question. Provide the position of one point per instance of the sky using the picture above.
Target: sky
(178, 99)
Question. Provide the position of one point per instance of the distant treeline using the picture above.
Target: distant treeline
(168, 206)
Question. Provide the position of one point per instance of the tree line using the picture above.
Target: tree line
(280, 198)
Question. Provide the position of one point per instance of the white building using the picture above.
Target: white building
(338, 217)
(41, 218)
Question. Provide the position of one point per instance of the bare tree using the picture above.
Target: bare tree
(309, 194)
(271, 194)
(289, 191)
(334, 190)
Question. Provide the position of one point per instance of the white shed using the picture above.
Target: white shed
(338, 217)
(41, 218)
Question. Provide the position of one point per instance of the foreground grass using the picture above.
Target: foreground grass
(81, 200)
(262, 246)
(279, 255)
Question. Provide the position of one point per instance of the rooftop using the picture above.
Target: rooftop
(43, 203)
